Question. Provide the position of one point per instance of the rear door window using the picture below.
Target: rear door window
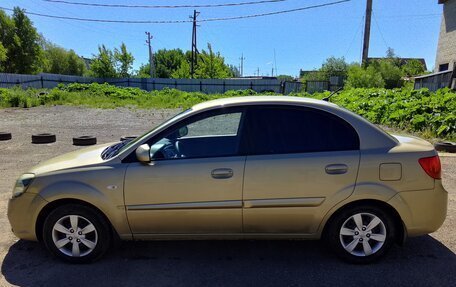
(282, 130)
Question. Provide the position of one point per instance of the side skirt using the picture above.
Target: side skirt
(240, 236)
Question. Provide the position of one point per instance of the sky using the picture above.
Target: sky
(299, 40)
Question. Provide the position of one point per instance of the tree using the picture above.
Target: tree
(176, 64)
(183, 72)
(235, 71)
(390, 53)
(212, 65)
(57, 60)
(392, 57)
(124, 61)
(389, 71)
(54, 58)
(334, 67)
(3, 56)
(413, 68)
(27, 54)
(76, 65)
(331, 67)
(103, 64)
(20, 40)
(168, 61)
(144, 71)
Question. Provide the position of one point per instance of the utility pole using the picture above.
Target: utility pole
(194, 47)
(258, 71)
(275, 62)
(367, 26)
(242, 65)
(151, 55)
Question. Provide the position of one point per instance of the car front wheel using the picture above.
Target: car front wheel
(76, 234)
(361, 234)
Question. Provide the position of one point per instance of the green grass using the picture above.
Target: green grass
(428, 114)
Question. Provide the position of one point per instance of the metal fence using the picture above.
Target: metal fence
(208, 86)
(436, 81)
(334, 83)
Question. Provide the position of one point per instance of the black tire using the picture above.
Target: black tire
(335, 239)
(5, 136)
(445, 147)
(84, 141)
(124, 138)
(101, 235)
(43, 138)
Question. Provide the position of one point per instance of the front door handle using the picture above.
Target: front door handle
(221, 173)
(336, 169)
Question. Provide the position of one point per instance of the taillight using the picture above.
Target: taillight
(431, 166)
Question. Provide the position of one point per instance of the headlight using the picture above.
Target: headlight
(22, 183)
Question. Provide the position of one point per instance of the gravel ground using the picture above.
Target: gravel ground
(423, 261)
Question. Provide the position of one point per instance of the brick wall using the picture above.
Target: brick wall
(446, 49)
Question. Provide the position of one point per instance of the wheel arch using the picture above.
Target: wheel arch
(48, 208)
(400, 229)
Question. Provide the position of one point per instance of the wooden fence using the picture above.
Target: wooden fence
(436, 81)
(208, 86)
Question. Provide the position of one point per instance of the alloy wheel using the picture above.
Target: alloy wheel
(362, 234)
(74, 235)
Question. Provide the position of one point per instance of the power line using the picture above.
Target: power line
(410, 15)
(274, 13)
(164, 6)
(379, 30)
(181, 21)
(354, 36)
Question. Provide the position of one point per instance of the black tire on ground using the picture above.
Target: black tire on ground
(334, 239)
(43, 138)
(5, 136)
(84, 140)
(101, 227)
(124, 138)
(445, 147)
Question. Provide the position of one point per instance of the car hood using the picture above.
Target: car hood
(79, 158)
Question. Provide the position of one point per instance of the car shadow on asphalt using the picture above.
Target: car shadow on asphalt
(423, 261)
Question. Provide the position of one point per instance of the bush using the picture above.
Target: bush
(412, 110)
(364, 78)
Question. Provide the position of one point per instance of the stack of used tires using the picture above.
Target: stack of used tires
(445, 147)
(5, 136)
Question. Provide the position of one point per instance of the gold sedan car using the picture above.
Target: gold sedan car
(235, 168)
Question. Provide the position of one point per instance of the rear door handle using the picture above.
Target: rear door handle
(336, 169)
(221, 173)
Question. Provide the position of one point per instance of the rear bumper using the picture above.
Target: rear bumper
(422, 211)
(22, 214)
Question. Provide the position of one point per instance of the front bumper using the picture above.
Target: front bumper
(422, 211)
(23, 212)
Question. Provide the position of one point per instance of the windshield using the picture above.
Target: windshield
(119, 147)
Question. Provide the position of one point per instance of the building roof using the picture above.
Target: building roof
(433, 74)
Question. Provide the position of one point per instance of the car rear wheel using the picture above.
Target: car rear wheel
(76, 234)
(361, 234)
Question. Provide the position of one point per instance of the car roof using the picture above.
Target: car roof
(256, 100)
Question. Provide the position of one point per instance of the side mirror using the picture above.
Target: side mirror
(143, 153)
